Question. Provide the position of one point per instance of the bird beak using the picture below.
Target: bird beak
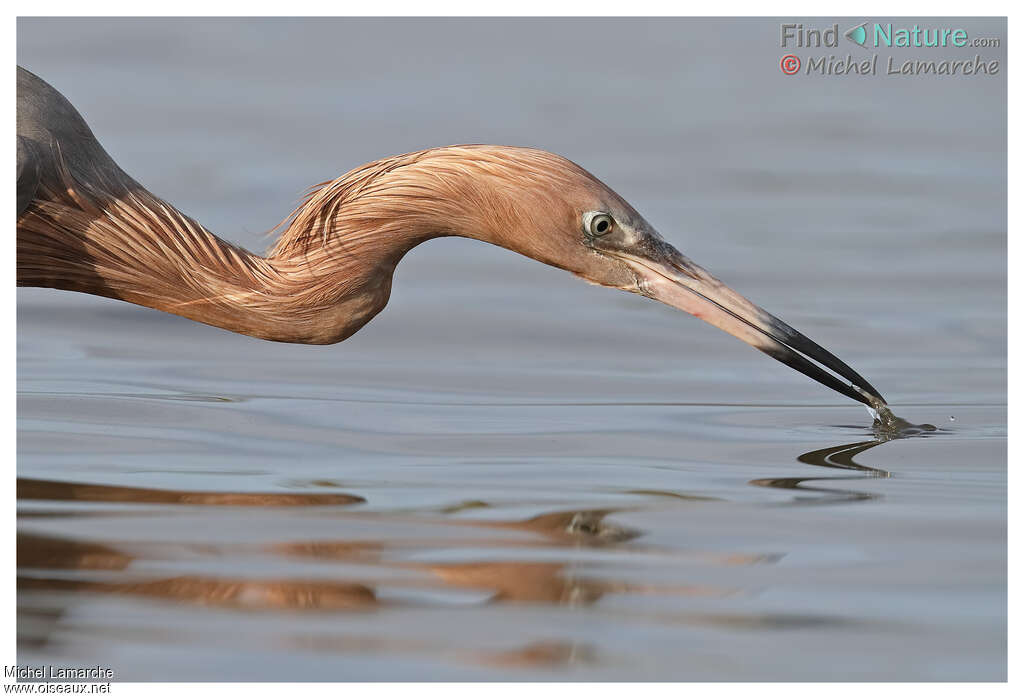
(668, 276)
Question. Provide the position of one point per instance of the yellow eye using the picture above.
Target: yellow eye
(598, 224)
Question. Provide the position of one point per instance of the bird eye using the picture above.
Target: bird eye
(598, 224)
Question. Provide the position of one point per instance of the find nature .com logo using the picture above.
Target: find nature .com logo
(884, 35)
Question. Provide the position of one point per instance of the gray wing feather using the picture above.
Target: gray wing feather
(28, 173)
(48, 123)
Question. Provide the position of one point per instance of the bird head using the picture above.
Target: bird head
(551, 209)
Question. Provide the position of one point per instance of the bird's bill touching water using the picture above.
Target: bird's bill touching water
(666, 275)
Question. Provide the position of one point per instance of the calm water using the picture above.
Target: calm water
(509, 474)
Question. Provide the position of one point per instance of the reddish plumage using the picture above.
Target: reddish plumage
(330, 270)
(84, 225)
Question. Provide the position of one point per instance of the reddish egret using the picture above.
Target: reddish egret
(84, 225)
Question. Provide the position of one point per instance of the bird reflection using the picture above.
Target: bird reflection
(38, 489)
(842, 457)
(36, 551)
(367, 572)
(219, 592)
(552, 583)
(541, 654)
(504, 581)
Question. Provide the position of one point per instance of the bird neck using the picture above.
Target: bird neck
(139, 249)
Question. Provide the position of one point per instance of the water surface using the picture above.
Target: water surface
(509, 474)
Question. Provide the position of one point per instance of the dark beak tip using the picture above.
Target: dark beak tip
(686, 286)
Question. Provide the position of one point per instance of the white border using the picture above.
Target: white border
(534, 8)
